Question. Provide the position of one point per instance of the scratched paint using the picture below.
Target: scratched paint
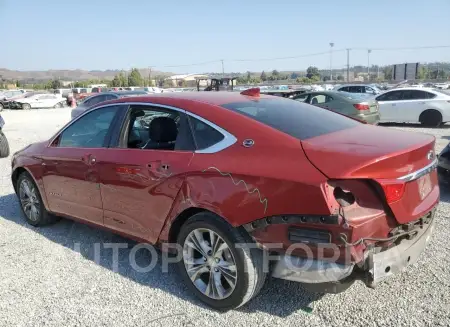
(262, 200)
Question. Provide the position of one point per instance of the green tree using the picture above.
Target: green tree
(326, 78)
(123, 80)
(17, 83)
(275, 74)
(263, 76)
(422, 73)
(242, 80)
(294, 75)
(340, 78)
(441, 74)
(55, 84)
(116, 81)
(249, 76)
(80, 84)
(312, 72)
(388, 73)
(135, 78)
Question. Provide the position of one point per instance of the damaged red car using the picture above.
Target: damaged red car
(243, 185)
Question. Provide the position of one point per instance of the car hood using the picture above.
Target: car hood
(369, 151)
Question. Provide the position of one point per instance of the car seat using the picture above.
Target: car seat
(163, 132)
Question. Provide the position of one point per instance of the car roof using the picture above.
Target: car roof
(209, 97)
(428, 89)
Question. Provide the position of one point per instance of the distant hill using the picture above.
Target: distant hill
(67, 75)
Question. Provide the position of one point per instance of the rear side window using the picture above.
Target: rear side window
(205, 136)
(297, 119)
(390, 96)
(417, 95)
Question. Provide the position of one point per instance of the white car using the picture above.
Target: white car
(430, 107)
(41, 101)
(442, 86)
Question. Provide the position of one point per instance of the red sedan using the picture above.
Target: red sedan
(238, 180)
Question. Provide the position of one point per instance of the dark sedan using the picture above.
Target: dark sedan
(444, 165)
(101, 97)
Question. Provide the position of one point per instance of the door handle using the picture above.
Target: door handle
(89, 159)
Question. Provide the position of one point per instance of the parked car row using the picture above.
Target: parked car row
(427, 106)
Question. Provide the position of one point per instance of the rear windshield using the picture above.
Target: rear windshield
(300, 120)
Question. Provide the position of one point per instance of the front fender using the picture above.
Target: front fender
(34, 167)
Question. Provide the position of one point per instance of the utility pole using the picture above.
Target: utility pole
(368, 64)
(223, 69)
(331, 60)
(150, 76)
(348, 65)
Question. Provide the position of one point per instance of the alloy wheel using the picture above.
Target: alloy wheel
(209, 263)
(29, 200)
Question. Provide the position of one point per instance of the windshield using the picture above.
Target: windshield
(295, 118)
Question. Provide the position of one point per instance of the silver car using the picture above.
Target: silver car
(101, 97)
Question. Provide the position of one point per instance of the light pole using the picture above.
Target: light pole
(331, 60)
(368, 64)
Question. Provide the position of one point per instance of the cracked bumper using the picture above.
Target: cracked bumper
(323, 276)
(387, 263)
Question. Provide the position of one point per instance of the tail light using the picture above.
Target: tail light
(361, 106)
(393, 191)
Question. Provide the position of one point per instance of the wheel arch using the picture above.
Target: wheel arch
(181, 219)
(430, 110)
(15, 176)
(19, 171)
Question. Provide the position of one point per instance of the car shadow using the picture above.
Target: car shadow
(445, 126)
(445, 192)
(278, 297)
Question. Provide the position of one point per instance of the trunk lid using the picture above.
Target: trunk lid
(385, 156)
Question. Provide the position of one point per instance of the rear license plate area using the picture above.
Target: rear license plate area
(425, 186)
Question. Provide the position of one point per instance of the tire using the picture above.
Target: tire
(26, 106)
(248, 275)
(1, 107)
(431, 118)
(58, 105)
(4, 146)
(32, 199)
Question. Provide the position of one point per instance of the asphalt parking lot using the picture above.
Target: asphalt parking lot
(46, 281)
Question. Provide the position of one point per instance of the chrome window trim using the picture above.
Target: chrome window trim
(228, 138)
(421, 172)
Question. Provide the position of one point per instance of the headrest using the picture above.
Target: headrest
(163, 129)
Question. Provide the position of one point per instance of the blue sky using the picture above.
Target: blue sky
(117, 34)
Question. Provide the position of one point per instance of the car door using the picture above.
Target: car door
(388, 102)
(142, 173)
(35, 101)
(71, 175)
(47, 101)
(409, 108)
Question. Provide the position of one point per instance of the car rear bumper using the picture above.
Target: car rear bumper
(373, 118)
(322, 276)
